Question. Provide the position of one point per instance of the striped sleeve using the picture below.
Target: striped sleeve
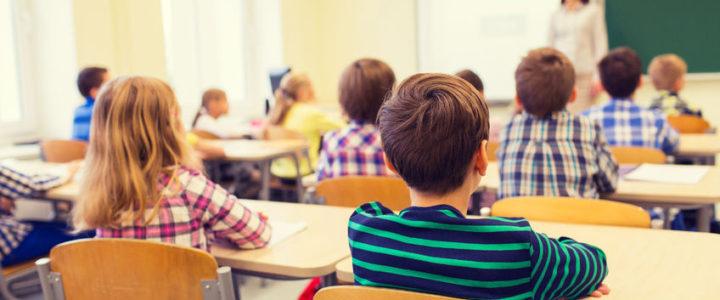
(14, 184)
(371, 209)
(606, 178)
(565, 268)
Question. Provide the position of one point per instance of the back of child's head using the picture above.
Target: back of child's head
(89, 78)
(544, 81)
(363, 86)
(210, 95)
(136, 135)
(665, 71)
(472, 78)
(287, 94)
(620, 72)
(431, 127)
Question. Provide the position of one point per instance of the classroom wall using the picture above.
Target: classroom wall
(322, 37)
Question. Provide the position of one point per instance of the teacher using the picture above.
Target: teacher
(577, 29)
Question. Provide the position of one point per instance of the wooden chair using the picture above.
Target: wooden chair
(349, 292)
(572, 210)
(272, 132)
(688, 124)
(205, 135)
(62, 151)
(638, 155)
(351, 191)
(18, 280)
(132, 269)
(492, 148)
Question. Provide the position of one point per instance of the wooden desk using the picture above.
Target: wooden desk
(310, 253)
(699, 145)
(643, 263)
(263, 152)
(648, 194)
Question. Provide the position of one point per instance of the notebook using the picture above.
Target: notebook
(673, 174)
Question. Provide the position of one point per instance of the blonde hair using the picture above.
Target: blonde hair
(286, 95)
(136, 135)
(208, 95)
(665, 70)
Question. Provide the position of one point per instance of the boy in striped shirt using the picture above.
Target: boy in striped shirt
(434, 130)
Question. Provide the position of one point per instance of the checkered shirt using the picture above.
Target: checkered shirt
(353, 150)
(559, 155)
(193, 211)
(627, 124)
(671, 104)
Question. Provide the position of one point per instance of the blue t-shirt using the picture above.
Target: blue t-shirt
(82, 119)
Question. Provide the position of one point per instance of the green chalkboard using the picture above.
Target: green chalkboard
(688, 28)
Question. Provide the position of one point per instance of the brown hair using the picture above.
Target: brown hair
(665, 70)
(286, 96)
(430, 127)
(544, 81)
(473, 78)
(89, 78)
(363, 86)
(208, 95)
(583, 1)
(620, 72)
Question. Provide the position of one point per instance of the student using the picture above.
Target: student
(141, 181)
(88, 81)
(293, 110)
(546, 150)
(667, 73)
(210, 116)
(434, 131)
(356, 149)
(474, 80)
(23, 241)
(624, 122)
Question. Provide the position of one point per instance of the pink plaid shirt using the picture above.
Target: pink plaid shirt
(354, 150)
(193, 211)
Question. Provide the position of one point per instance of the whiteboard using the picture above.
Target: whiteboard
(487, 36)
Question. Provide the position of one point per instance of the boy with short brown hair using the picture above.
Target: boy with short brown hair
(434, 130)
(667, 73)
(546, 150)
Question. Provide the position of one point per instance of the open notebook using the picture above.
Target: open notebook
(282, 230)
(673, 174)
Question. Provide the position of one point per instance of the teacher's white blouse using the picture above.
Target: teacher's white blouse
(581, 35)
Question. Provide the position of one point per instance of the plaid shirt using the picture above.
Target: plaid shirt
(627, 124)
(193, 211)
(671, 104)
(559, 155)
(14, 185)
(353, 150)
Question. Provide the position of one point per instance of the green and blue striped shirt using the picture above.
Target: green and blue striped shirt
(437, 250)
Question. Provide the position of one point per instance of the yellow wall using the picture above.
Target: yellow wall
(321, 37)
(124, 35)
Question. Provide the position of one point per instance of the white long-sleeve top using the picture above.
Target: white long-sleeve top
(580, 34)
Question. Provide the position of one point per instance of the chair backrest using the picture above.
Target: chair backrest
(688, 124)
(62, 151)
(349, 292)
(638, 155)
(131, 269)
(205, 135)
(279, 133)
(351, 191)
(572, 210)
(492, 148)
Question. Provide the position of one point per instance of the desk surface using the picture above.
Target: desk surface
(643, 263)
(707, 191)
(258, 150)
(311, 252)
(699, 144)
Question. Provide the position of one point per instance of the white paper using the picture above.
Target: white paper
(282, 230)
(674, 174)
(36, 167)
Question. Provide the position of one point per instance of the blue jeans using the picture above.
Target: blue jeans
(43, 237)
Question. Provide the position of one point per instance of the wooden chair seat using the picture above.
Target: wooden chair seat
(352, 191)
(348, 292)
(62, 151)
(638, 155)
(572, 210)
(688, 124)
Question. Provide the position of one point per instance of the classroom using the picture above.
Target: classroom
(359, 149)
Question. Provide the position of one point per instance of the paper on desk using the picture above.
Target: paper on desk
(36, 167)
(677, 174)
(282, 230)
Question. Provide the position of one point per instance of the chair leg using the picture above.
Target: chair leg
(227, 288)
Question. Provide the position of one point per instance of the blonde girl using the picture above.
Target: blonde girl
(141, 181)
(293, 110)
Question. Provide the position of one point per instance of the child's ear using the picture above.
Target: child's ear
(640, 82)
(518, 103)
(481, 158)
(389, 165)
(573, 95)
